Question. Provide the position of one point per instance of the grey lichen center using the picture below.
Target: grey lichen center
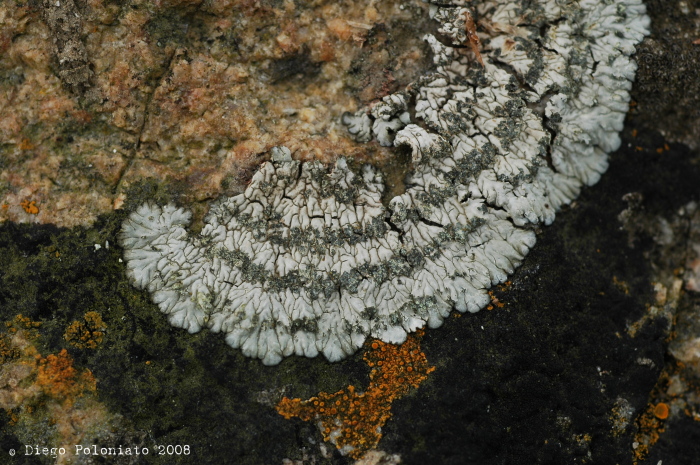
(308, 259)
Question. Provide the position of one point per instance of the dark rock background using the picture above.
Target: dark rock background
(535, 381)
(668, 80)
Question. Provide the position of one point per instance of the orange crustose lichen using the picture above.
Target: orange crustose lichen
(59, 379)
(86, 334)
(26, 144)
(29, 207)
(50, 390)
(8, 349)
(352, 420)
(23, 323)
(670, 397)
(661, 411)
(649, 430)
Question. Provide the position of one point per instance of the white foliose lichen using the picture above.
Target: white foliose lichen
(308, 259)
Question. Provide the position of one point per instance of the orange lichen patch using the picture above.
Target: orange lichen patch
(49, 390)
(353, 420)
(25, 324)
(661, 411)
(663, 149)
(15, 343)
(634, 133)
(12, 416)
(26, 145)
(59, 379)
(502, 287)
(583, 439)
(495, 301)
(8, 351)
(649, 431)
(29, 206)
(672, 396)
(86, 334)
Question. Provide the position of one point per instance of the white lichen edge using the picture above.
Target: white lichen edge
(308, 260)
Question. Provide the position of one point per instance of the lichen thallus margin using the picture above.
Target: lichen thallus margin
(308, 260)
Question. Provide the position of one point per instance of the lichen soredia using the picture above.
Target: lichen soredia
(309, 260)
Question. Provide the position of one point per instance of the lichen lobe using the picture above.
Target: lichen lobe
(308, 260)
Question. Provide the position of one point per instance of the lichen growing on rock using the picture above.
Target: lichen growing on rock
(47, 398)
(309, 260)
(304, 262)
(97, 95)
(353, 420)
(86, 334)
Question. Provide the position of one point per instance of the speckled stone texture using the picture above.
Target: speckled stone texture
(95, 95)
